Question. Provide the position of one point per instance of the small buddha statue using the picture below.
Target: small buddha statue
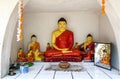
(21, 56)
(48, 47)
(34, 45)
(39, 56)
(35, 48)
(88, 47)
(76, 46)
(30, 56)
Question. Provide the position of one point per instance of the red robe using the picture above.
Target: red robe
(91, 46)
(65, 40)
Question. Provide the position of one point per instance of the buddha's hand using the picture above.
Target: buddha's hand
(66, 51)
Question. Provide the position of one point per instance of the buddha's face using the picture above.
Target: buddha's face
(89, 39)
(62, 26)
(33, 39)
(36, 50)
(30, 51)
(20, 50)
(48, 44)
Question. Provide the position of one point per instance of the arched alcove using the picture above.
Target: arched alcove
(8, 44)
(107, 35)
(8, 38)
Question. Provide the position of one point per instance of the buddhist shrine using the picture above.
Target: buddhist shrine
(75, 38)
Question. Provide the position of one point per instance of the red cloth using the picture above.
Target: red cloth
(65, 40)
(87, 55)
(54, 52)
(63, 58)
(91, 46)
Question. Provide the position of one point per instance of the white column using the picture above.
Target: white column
(6, 9)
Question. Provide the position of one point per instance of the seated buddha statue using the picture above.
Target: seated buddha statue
(30, 56)
(38, 55)
(76, 46)
(34, 46)
(88, 47)
(48, 47)
(21, 56)
(62, 41)
(106, 58)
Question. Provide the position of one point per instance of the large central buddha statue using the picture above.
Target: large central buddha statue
(62, 42)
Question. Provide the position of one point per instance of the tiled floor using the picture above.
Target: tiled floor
(91, 72)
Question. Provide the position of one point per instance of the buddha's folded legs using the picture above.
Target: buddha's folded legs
(59, 53)
(62, 58)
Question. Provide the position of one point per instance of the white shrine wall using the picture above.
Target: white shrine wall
(107, 35)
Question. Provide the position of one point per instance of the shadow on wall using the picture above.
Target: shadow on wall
(114, 57)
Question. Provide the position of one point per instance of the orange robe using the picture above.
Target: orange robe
(65, 40)
(30, 56)
(35, 46)
(21, 57)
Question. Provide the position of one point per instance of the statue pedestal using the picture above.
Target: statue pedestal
(63, 58)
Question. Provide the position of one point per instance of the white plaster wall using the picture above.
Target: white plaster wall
(42, 25)
(112, 11)
(6, 9)
(107, 35)
(8, 46)
(15, 46)
(8, 18)
(116, 5)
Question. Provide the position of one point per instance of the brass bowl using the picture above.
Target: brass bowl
(64, 65)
